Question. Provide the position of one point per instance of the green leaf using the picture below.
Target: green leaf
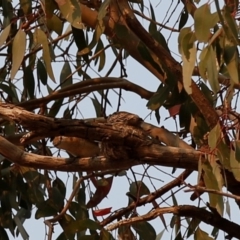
(55, 107)
(82, 225)
(102, 56)
(231, 24)
(66, 75)
(192, 226)
(152, 26)
(81, 43)
(204, 21)
(159, 236)
(57, 199)
(201, 235)
(105, 235)
(145, 230)
(235, 165)
(41, 38)
(138, 189)
(6, 89)
(183, 19)
(224, 154)
(158, 98)
(237, 150)
(3, 234)
(207, 92)
(28, 81)
(228, 209)
(214, 136)
(55, 24)
(21, 229)
(4, 34)
(26, 6)
(18, 50)
(35, 195)
(188, 66)
(208, 65)
(230, 57)
(174, 199)
(71, 10)
(97, 106)
(41, 72)
(213, 180)
(59, 184)
(45, 210)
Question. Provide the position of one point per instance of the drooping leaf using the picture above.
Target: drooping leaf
(192, 226)
(235, 165)
(138, 189)
(214, 136)
(28, 80)
(223, 152)
(66, 75)
(102, 56)
(97, 106)
(103, 188)
(4, 34)
(230, 57)
(55, 107)
(41, 72)
(158, 98)
(26, 6)
(71, 11)
(201, 235)
(159, 236)
(21, 228)
(6, 89)
(183, 19)
(208, 65)
(145, 230)
(188, 66)
(80, 41)
(55, 24)
(228, 209)
(41, 38)
(57, 198)
(45, 210)
(237, 150)
(126, 232)
(58, 183)
(3, 234)
(213, 180)
(202, 27)
(231, 25)
(18, 50)
(181, 36)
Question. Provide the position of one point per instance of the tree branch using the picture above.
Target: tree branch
(210, 218)
(169, 63)
(88, 86)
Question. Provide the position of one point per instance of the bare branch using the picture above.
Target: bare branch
(225, 225)
(88, 86)
(203, 189)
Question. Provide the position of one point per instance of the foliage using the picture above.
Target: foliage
(54, 57)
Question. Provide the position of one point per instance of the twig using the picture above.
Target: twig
(203, 189)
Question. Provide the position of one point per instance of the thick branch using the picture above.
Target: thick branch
(168, 62)
(148, 199)
(231, 228)
(165, 156)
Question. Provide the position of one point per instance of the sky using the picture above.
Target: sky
(134, 104)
